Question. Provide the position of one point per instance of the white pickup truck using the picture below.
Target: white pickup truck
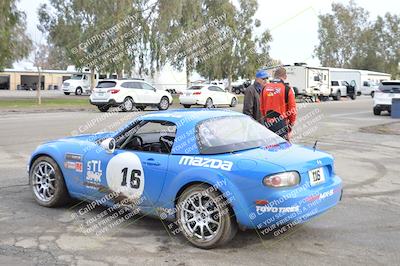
(341, 88)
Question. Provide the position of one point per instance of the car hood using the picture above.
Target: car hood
(291, 157)
(85, 138)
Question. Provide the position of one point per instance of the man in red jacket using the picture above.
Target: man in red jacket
(278, 105)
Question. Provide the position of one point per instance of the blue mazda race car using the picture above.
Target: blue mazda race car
(209, 171)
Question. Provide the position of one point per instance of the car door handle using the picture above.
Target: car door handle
(152, 162)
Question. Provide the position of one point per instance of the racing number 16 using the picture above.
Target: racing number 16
(135, 178)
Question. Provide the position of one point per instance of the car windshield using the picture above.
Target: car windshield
(233, 133)
(76, 77)
(195, 88)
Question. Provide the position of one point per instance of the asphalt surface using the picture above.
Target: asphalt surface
(364, 229)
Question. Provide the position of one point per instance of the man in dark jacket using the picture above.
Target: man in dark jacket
(251, 104)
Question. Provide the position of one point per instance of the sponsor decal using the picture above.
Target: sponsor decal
(266, 208)
(322, 195)
(73, 157)
(93, 173)
(79, 167)
(69, 165)
(206, 162)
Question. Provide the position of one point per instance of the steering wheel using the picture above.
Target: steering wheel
(136, 143)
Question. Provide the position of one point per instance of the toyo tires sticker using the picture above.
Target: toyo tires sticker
(125, 175)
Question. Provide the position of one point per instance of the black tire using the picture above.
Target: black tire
(128, 105)
(372, 94)
(66, 93)
(103, 108)
(141, 107)
(353, 96)
(377, 111)
(337, 96)
(164, 103)
(233, 102)
(224, 232)
(237, 91)
(78, 91)
(187, 105)
(61, 195)
(209, 103)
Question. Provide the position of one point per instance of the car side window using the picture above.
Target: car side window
(146, 86)
(126, 84)
(150, 136)
(218, 89)
(135, 85)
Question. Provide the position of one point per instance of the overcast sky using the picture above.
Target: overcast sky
(293, 24)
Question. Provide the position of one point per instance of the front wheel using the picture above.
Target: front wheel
(372, 94)
(127, 105)
(209, 103)
(205, 218)
(337, 96)
(47, 183)
(164, 103)
(233, 102)
(377, 111)
(353, 96)
(78, 91)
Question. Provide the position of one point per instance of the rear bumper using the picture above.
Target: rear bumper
(293, 208)
(110, 103)
(383, 107)
(191, 101)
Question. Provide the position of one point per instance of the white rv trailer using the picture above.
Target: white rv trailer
(366, 81)
(307, 80)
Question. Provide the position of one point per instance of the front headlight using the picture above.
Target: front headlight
(285, 179)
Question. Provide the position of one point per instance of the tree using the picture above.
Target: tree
(107, 36)
(14, 43)
(338, 32)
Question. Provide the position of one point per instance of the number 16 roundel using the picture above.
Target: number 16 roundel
(125, 175)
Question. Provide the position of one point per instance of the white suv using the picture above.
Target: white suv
(128, 93)
(383, 96)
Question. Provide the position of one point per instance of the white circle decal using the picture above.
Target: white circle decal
(125, 175)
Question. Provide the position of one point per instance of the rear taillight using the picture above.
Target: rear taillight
(197, 93)
(113, 91)
(286, 179)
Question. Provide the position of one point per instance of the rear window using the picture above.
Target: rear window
(195, 88)
(335, 83)
(106, 84)
(390, 87)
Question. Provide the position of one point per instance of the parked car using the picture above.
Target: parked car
(341, 88)
(207, 95)
(383, 96)
(129, 93)
(209, 171)
(240, 86)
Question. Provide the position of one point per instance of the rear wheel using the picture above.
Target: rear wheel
(337, 96)
(164, 103)
(233, 102)
(187, 105)
(78, 91)
(377, 111)
(204, 217)
(103, 108)
(66, 93)
(47, 183)
(209, 103)
(128, 104)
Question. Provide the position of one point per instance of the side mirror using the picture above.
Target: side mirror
(108, 145)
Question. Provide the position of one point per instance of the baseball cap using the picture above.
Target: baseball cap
(262, 74)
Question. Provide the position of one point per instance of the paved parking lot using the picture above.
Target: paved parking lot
(364, 229)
